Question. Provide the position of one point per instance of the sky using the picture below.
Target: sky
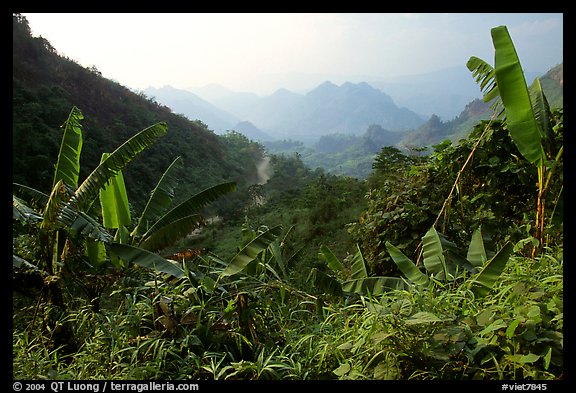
(263, 52)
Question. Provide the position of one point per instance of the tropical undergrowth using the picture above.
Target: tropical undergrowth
(450, 274)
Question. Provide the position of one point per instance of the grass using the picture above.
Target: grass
(515, 332)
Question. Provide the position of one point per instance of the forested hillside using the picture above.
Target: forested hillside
(231, 264)
(46, 86)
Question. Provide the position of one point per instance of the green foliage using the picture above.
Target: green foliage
(279, 289)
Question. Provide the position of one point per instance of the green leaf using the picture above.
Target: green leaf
(331, 260)
(512, 328)
(114, 201)
(81, 223)
(485, 77)
(146, 259)
(96, 252)
(520, 119)
(68, 164)
(160, 198)
(251, 251)
(278, 257)
(325, 282)
(374, 286)
(87, 192)
(483, 282)
(433, 255)
(406, 266)
(476, 252)
(21, 212)
(541, 110)
(19, 262)
(170, 233)
(342, 370)
(422, 317)
(192, 205)
(358, 265)
(523, 359)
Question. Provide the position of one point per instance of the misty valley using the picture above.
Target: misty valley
(325, 235)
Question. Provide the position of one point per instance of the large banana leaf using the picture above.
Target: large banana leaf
(331, 260)
(160, 198)
(251, 251)
(485, 77)
(191, 205)
(433, 255)
(96, 252)
(170, 233)
(483, 282)
(522, 124)
(325, 282)
(21, 211)
(146, 259)
(82, 223)
(114, 201)
(541, 109)
(358, 265)
(374, 286)
(87, 192)
(406, 266)
(476, 252)
(68, 164)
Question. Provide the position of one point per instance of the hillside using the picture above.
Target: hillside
(45, 88)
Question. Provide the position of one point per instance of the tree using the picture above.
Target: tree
(528, 117)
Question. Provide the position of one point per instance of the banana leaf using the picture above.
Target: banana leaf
(433, 255)
(87, 192)
(331, 260)
(191, 205)
(476, 252)
(522, 124)
(251, 251)
(68, 164)
(484, 281)
(170, 233)
(325, 282)
(146, 259)
(406, 266)
(485, 77)
(372, 286)
(358, 265)
(114, 201)
(21, 212)
(542, 112)
(96, 252)
(160, 198)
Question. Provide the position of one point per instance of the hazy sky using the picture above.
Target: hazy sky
(263, 52)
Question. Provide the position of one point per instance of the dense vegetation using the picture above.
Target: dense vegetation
(447, 266)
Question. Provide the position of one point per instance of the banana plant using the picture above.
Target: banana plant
(445, 266)
(527, 113)
(356, 279)
(63, 216)
(159, 225)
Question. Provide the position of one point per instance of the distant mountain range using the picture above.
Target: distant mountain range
(448, 98)
(327, 109)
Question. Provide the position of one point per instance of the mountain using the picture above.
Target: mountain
(435, 130)
(553, 85)
(193, 107)
(327, 109)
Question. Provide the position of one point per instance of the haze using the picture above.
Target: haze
(264, 52)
